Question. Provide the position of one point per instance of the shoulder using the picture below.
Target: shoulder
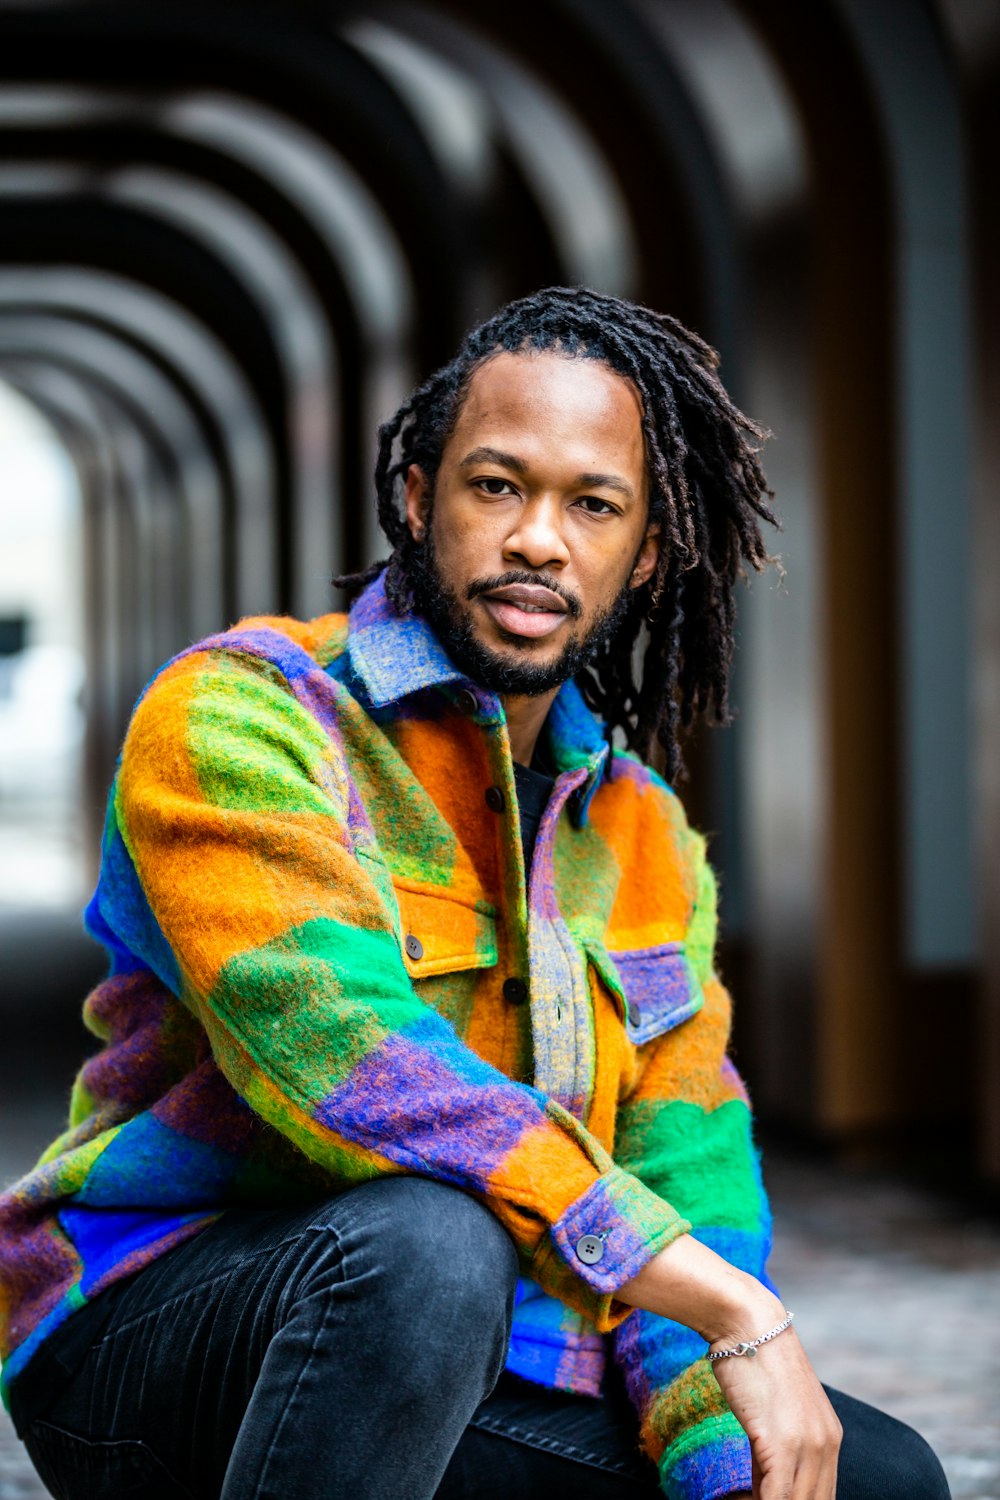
(261, 672)
(323, 639)
(276, 646)
(642, 800)
(643, 820)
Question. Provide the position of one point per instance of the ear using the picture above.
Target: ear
(645, 563)
(417, 502)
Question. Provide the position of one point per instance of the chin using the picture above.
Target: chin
(520, 648)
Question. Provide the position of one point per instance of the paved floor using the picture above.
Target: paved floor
(897, 1300)
(896, 1295)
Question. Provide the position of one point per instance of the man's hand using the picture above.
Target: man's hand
(776, 1397)
(793, 1430)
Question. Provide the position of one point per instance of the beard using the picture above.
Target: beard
(496, 671)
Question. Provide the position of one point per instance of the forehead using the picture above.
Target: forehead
(545, 404)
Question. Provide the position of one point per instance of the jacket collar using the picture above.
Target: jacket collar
(393, 655)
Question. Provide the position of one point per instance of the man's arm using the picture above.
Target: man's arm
(685, 1131)
(788, 1437)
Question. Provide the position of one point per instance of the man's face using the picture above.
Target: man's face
(537, 529)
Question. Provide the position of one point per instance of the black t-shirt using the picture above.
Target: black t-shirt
(534, 785)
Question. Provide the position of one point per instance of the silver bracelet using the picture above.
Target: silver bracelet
(750, 1350)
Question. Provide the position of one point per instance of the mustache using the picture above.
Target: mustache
(518, 575)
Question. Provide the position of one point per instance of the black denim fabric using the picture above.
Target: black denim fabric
(351, 1351)
(541, 1445)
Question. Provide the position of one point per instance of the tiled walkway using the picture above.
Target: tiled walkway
(896, 1295)
(897, 1300)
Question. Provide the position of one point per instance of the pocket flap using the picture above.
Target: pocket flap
(441, 935)
(655, 987)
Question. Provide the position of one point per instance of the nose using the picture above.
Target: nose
(537, 540)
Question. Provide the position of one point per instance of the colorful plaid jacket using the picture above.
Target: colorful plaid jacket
(327, 964)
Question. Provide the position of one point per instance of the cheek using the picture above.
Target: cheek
(604, 580)
(451, 542)
(465, 543)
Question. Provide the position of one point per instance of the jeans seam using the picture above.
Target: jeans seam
(152, 1312)
(67, 1440)
(198, 1286)
(207, 1281)
(260, 1489)
(549, 1444)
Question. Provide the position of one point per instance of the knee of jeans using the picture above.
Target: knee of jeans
(412, 1233)
(448, 1250)
(440, 1267)
(901, 1465)
(918, 1469)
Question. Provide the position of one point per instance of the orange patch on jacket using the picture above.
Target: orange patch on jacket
(653, 902)
(685, 1062)
(212, 892)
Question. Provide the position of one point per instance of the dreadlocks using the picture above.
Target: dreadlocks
(706, 490)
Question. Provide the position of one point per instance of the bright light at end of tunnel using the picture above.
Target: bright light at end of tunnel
(41, 662)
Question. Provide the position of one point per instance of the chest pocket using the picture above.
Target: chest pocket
(656, 988)
(443, 936)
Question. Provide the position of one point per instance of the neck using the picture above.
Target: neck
(525, 717)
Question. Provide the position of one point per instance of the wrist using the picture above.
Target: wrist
(690, 1283)
(747, 1348)
(748, 1309)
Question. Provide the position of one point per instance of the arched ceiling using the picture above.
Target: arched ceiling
(233, 236)
(253, 237)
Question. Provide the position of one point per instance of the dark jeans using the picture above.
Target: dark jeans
(350, 1350)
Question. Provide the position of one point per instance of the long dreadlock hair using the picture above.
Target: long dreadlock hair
(707, 492)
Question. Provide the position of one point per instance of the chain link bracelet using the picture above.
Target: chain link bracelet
(750, 1350)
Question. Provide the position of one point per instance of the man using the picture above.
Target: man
(412, 1014)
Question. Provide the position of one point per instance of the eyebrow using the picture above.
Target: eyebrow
(518, 465)
(605, 482)
(494, 456)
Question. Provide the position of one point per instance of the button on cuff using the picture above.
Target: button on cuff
(590, 1249)
(626, 1219)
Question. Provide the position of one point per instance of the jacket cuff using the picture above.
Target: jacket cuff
(604, 1238)
(708, 1462)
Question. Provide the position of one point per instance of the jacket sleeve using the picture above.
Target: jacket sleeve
(685, 1131)
(235, 867)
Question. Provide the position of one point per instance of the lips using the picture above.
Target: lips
(526, 609)
(529, 597)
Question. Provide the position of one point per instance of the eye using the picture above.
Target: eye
(595, 506)
(493, 485)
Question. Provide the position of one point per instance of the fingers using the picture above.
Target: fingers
(810, 1475)
(793, 1430)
